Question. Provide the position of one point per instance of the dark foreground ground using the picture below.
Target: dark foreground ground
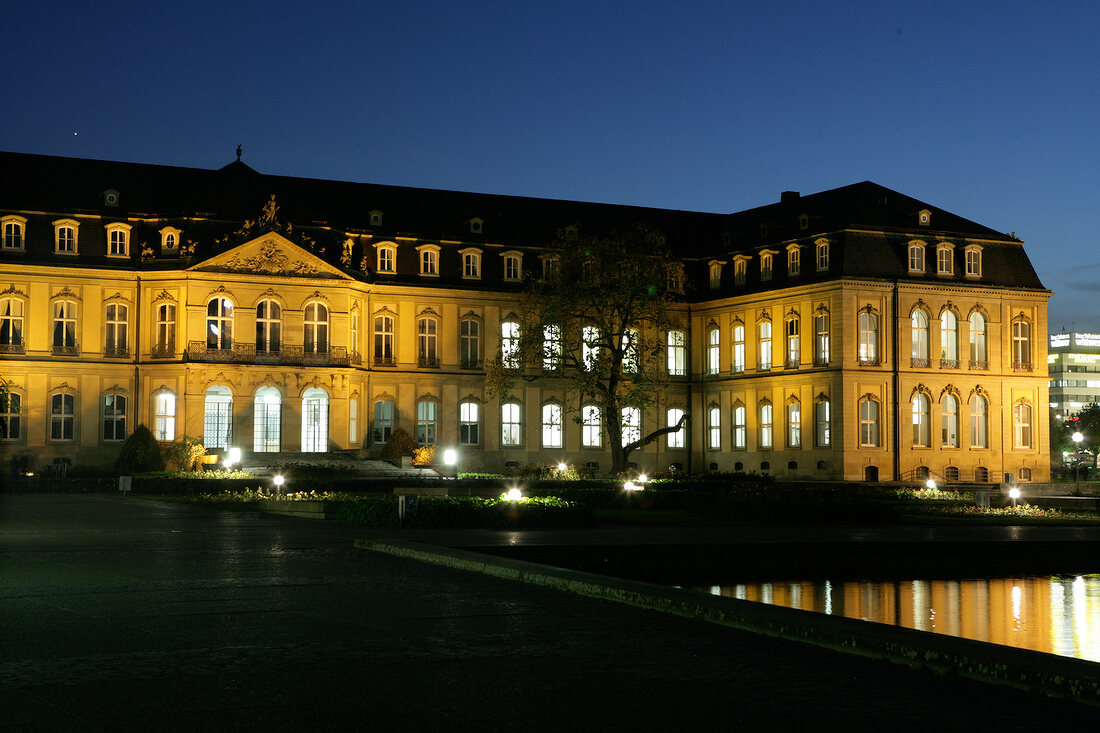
(140, 615)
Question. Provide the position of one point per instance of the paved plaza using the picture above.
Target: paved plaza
(132, 614)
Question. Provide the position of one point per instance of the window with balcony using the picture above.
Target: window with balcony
(269, 322)
(315, 336)
(64, 328)
(868, 338)
(714, 353)
(949, 340)
(427, 338)
(219, 324)
(1021, 345)
(677, 353)
(164, 343)
(794, 343)
(919, 324)
(116, 342)
(737, 363)
(383, 340)
(469, 343)
(11, 326)
(979, 358)
(764, 352)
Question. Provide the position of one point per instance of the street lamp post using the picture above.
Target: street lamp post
(1077, 438)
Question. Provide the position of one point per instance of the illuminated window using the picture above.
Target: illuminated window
(794, 425)
(794, 343)
(1021, 425)
(591, 428)
(269, 326)
(590, 347)
(868, 423)
(921, 427)
(919, 324)
(509, 344)
(677, 353)
(551, 426)
(673, 417)
(713, 350)
(314, 420)
(766, 439)
(170, 240)
(383, 340)
(219, 324)
(740, 426)
(315, 338)
(164, 343)
(632, 425)
(949, 340)
(217, 418)
(427, 340)
(469, 423)
(737, 364)
(978, 355)
(868, 337)
(382, 427)
(1021, 345)
(821, 338)
(630, 346)
(387, 258)
(551, 347)
(11, 326)
(510, 433)
(353, 421)
(822, 423)
(764, 355)
(267, 417)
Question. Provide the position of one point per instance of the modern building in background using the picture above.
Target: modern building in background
(854, 334)
(1074, 364)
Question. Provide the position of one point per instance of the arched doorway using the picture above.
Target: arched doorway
(267, 421)
(314, 420)
(217, 418)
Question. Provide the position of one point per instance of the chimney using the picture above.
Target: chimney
(788, 197)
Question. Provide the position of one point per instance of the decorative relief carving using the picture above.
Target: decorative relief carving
(12, 290)
(163, 295)
(66, 292)
(270, 260)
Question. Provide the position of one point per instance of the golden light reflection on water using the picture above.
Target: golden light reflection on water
(1056, 615)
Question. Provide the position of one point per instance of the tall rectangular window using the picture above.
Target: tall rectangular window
(632, 424)
(315, 336)
(114, 417)
(166, 330)
(1021, 424)
(115, 342)
(62, 416)
(738, 363)
(164, 416)
(386, 259)
(591, 427)
(470, 343)
(821, 339)
(794, 344)
(13, 232)
(11, 423)
(714, 428)
(382, 429)
(551, 426)
(427, 332)
(822, 424)
(425, 422)
(822, 256)
(471, 265)
(794, 425)
(766, 426)
(512, 267)
(740, 427)
(510, 433)
(118, 246)
(673, 417)
(868, 423)
(11, 326)
(868, 338)
(590, 347)
(383, 340)
(764, 356)
(468, 423)
(714, 353)
(509, 344)
(64, 327)
(677, 353)
(551, 347)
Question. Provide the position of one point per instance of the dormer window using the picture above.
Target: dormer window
(429, 260)
(169, 240)
(376, 218)
(513, 266)
(118, 240)
(973, 260)
(916, 257)
(551, 267)
(110, 197)
(924, 217)
(14, 232)
(676, 278)
(740, 269)
(766, 262)
(471, 264)
(715, 274)
(944, 259)
(794, 260)
(821, 247)
(65, 239)
(387, 257)
(476, 226)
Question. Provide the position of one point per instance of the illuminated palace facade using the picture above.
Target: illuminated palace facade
(851, 334)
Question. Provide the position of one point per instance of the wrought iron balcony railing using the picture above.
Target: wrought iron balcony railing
(979, 364)
(384, 360)
(13, 348)
(1021, 366)
(163, 351)
(116, 352)
(868, 360)
(821, 361)
(791, 363)
(428, 362)
(920, 363)
(72, 349)
(287, 355)
(949, 363)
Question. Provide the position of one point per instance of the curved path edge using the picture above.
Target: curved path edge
(1046, 674)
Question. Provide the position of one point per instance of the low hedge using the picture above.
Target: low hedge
(466, 512)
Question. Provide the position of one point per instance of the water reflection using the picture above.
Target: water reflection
(1056, 615)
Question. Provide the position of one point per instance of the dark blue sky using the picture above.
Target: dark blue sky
(987, 109)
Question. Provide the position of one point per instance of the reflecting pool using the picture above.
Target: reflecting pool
(1054, 614)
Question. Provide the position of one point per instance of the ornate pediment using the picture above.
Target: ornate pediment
(270, 254)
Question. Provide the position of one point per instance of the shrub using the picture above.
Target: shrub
(400, 444)
(424, 455)
(184, 453)
(140, 453)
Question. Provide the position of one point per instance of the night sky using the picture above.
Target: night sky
(986, 109)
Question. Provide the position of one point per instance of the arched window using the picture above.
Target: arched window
(267, 421)
(1024, 474)
(822, 422)
(427, 336)
(269, 327)
(509, 344)
(165, 344)
(217, 418)
(551, 425)
(591, 427)
(737, 365)
(740, 425)
(979, 358)
(673, 417)
(11, 417)
(868, 423)
(315, 420)
(426, 422)
(510, 426)
(868, 338)
(766, 422)
(764, 354)
(11, 326)
(921, 421)
(794, 344)
(1021, 425)
(920, 357)
(714, 427)
(632, 424)
(677, 353)
(64, 231)
(470, 343)
(315, 338)
(387, 258)
(949, 340)
(471, 263)
(973, 261)
(62, 416)
(219, 324)
(429, 260)
(383, 340)
(14, 231)
(164, 415)
(469, 423)
(64, 328)
(979, 422)
(944, 263)
(1021, 345)
(118, 239)
(794, 424)
(981, 474)
(382, 426)
(114, 417)
(950, 422)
